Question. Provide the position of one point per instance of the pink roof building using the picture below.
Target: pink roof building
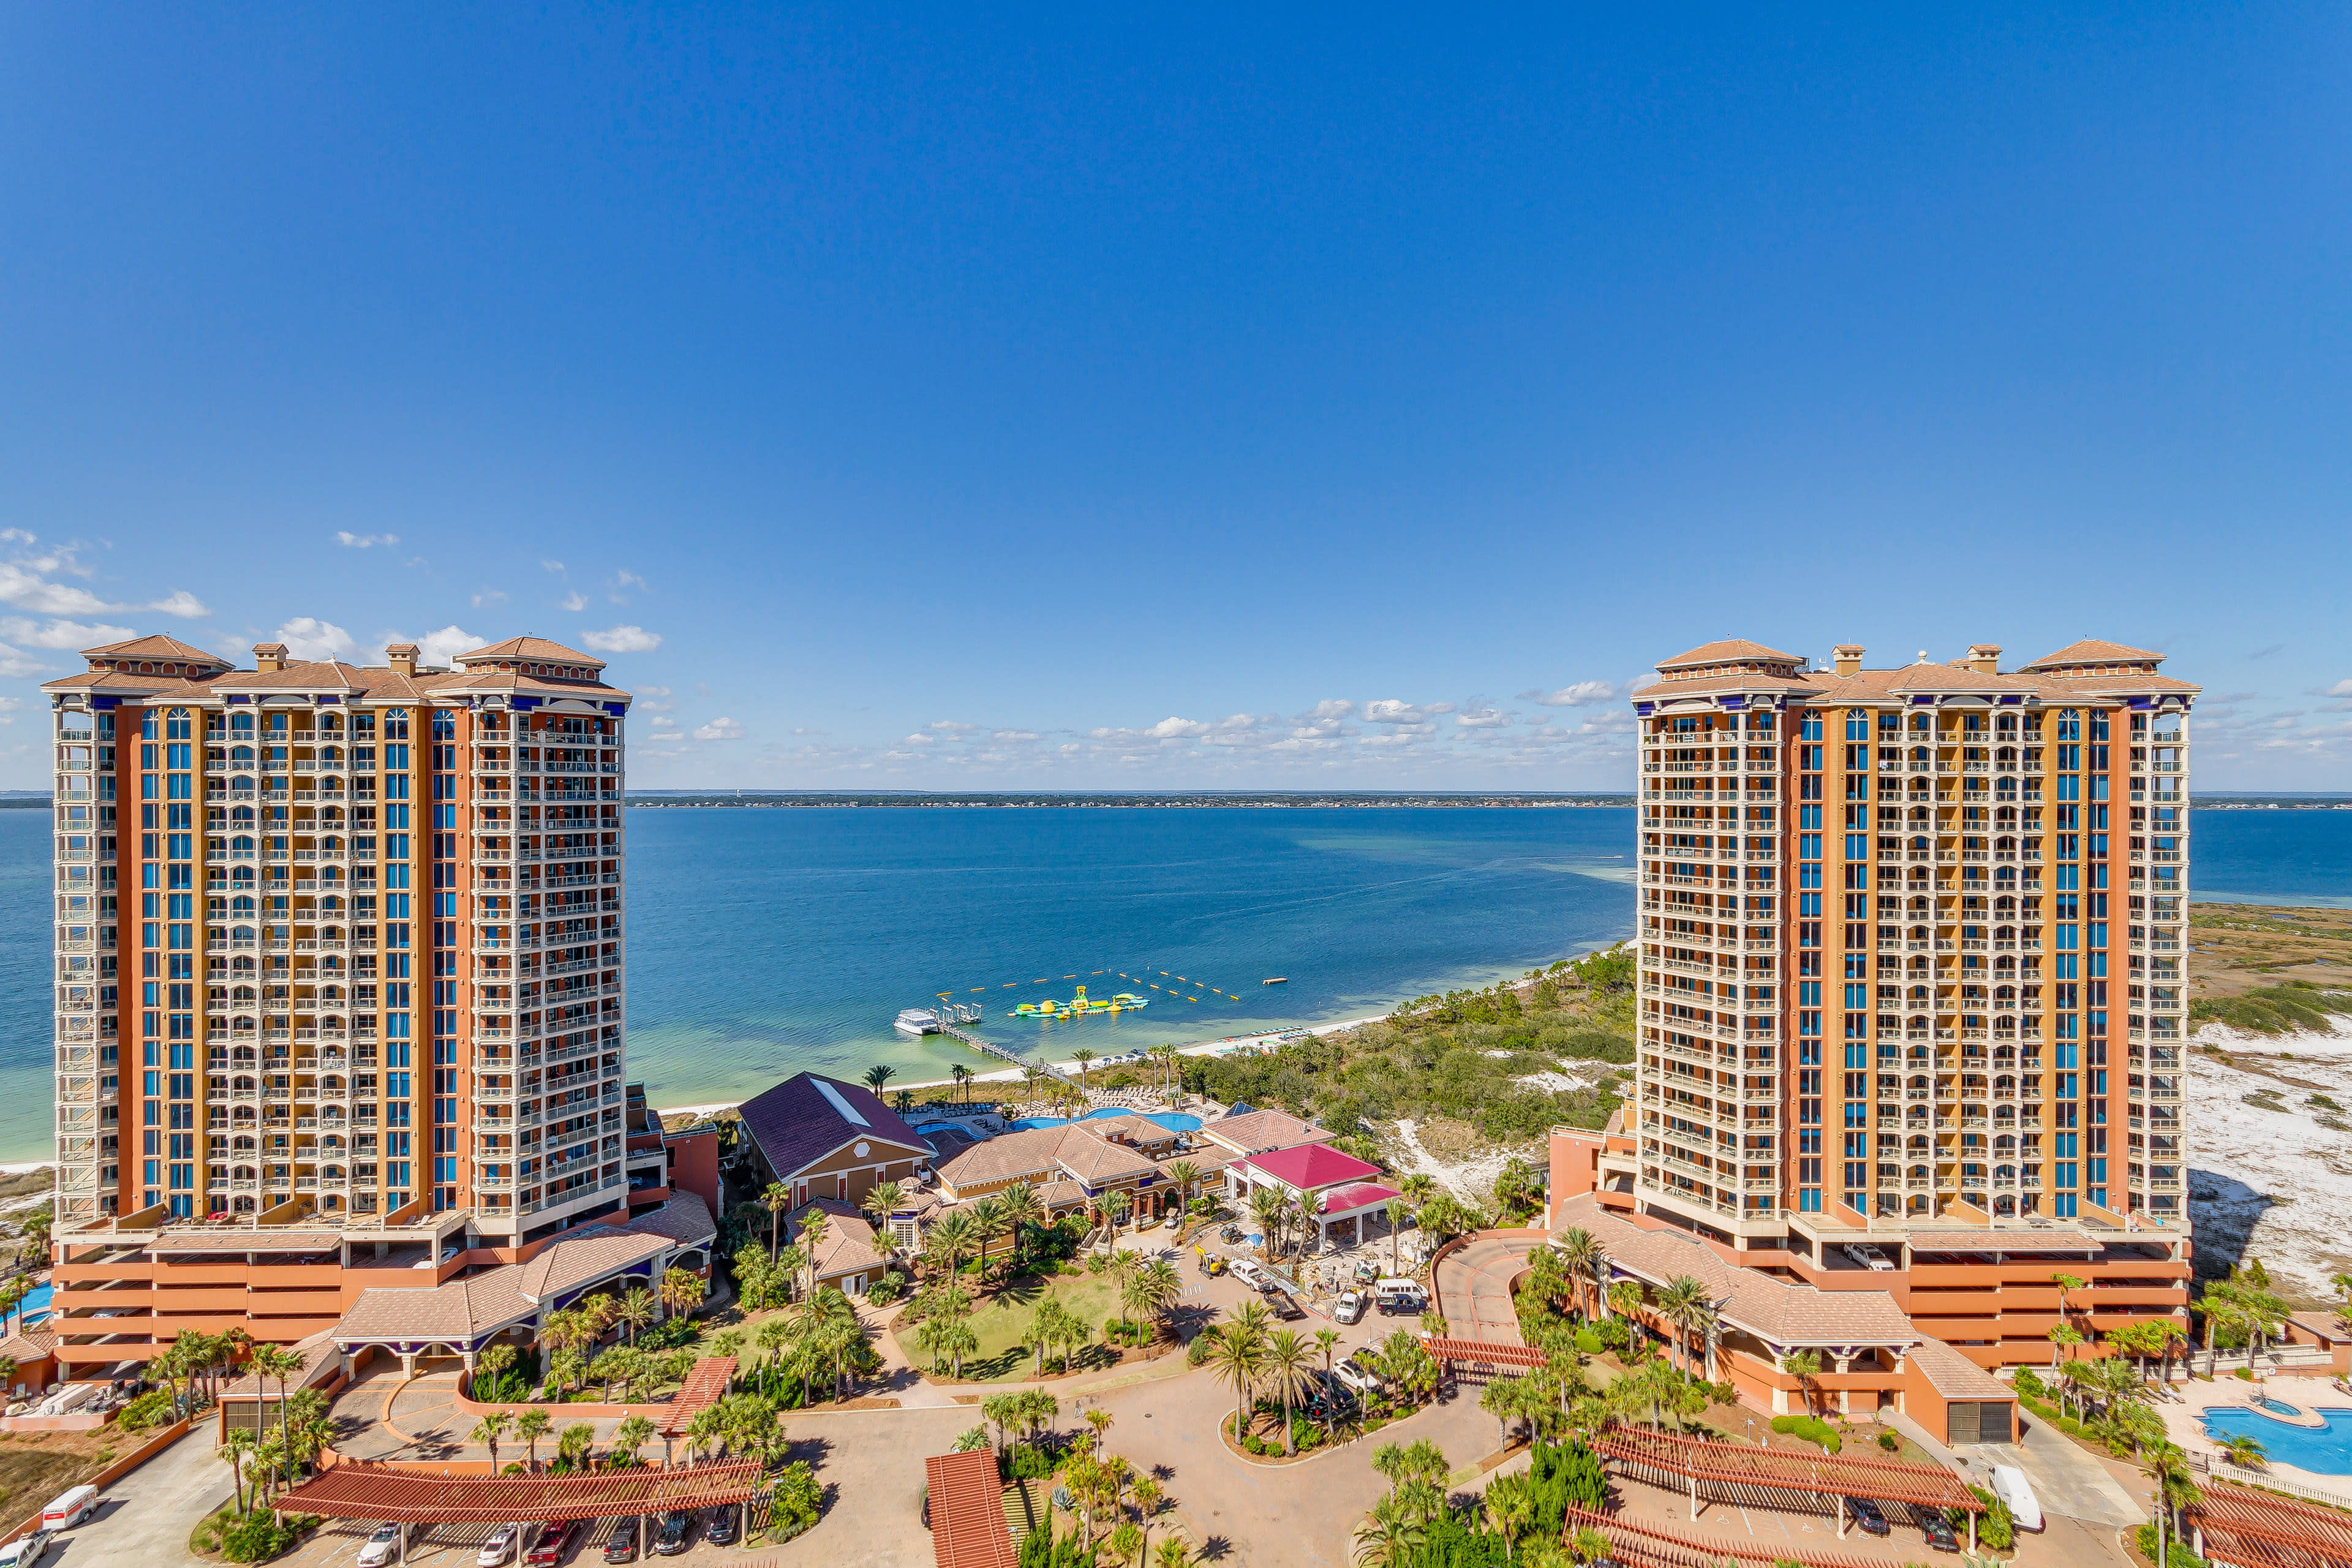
(1332, 1185)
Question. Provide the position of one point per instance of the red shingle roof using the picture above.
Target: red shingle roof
(1357, 1195)
(1309, 1167)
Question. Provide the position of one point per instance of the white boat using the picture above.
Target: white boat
(917, 1022)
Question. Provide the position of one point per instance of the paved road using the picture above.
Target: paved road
(2068, 1482)
(1473, 1289)
(146, 1516)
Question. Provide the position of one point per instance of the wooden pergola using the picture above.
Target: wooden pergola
(1653, 1546)
(357, 1489)
(1787, 1478)
(2262, 1529)
(706, 1385)
(1482, 1352)
(966, 1500)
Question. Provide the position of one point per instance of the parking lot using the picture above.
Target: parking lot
(338, 1542)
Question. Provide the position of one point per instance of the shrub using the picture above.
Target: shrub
(1197, 1351)
(1890, 1441)
(2247, 1375)
(1809, 1429)
(2029, 1381)
(1996, 1529)
(2177, 1554)
(1030, 1463)
(796, 1502)
(152, 1408)
(1587, 1341)
(258, 1536)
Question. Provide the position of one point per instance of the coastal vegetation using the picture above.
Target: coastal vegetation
(1511, 1060)
(2293, 1006)
(2241, 948)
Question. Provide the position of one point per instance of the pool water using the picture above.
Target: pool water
(1173, 1121)
(2326, 1451)
(33, 1308)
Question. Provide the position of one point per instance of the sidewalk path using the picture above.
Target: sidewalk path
(146, 1516)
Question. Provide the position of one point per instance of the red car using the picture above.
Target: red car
(555, 1539)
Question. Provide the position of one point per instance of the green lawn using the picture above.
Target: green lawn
(1001, 1320)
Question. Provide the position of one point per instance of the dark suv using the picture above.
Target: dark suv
(621, 1546)
(676, 1532)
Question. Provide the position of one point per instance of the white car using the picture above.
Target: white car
(503, 1542)
(1870, 1258)
(1356, 1375)
(384, 1546)
(26, 1550)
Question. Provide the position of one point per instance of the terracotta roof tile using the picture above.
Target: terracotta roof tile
(1778, 1312)
(2093, 651)
(539, 650)
(1955, 1375)
(154, 646)
(1729, 650)
(1256, 1132)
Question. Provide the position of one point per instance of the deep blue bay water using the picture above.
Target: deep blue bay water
(764, 941)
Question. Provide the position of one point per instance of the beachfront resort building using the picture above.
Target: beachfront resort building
(1912, 982)
(338, 970)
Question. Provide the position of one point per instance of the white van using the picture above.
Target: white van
(70, 1507)
(1396, 1294)
(2010, 1485)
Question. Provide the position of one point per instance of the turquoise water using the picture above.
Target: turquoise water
(1173, 1121)
(767, 941)
(2323, 1451)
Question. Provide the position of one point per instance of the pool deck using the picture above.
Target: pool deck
(2186, 1421)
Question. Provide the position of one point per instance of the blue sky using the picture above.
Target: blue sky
(1060, 398)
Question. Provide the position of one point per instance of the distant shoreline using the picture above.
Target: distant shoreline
(1204, 799)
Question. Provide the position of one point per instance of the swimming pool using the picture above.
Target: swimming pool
(34, 1307)
(1173, 1121)
(2326, 1451)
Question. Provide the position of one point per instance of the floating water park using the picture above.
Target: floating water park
(1079, 1005)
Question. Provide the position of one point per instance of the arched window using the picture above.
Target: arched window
(176, 725)
(1857, 724)
(444, 724)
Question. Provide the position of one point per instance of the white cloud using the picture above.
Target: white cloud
(623, 640)
(434, 648)
(573, 603)
(365, 541)
(952, 727)
(30, 590)
(554, 567)
(1389, 710)
(17, 665)
(1012, 737)
(920, 739)
(798, 731)
(1582, 694)
(489, 596)
(308, 638)
(62, 634)
(2341, 688)
(622, 580)
(15, 536)
(182, 604)
(654, 700)
(8, 705)
(664, 721)
(1483, 719)
(720, 729)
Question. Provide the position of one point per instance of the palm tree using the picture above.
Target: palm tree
(952, 1235)
(530, 1427)
(1395, 1210)
(682, 1290)
(1174, 1553)
(282, 1365)
(2245, 1450)
(1239, 1357)
(1186, 1176)
(1290, 1369)
(1390, 1537)
(235, 1450)
(775, 1200)
(879, 1075)
(1019, 1206)
(1683, 1303)
(490, 1430)
(634, 1311)
(1083, 1057)
(1511, 1506)
(1417, 1188)
(627, 1437)
(962, 1076)
(1266, 1205)
(1804, 1366)
(1580, 1253)
(988, 1222)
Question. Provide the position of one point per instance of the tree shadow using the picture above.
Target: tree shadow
(2223, 1212)
(1215, 1549)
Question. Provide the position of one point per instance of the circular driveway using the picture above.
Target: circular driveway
(1474, 1289)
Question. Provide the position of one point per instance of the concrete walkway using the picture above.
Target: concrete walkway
(145, 1517)
(2068, 1482)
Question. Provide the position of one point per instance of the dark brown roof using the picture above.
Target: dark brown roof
(357, 1489)
(796, 1124)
